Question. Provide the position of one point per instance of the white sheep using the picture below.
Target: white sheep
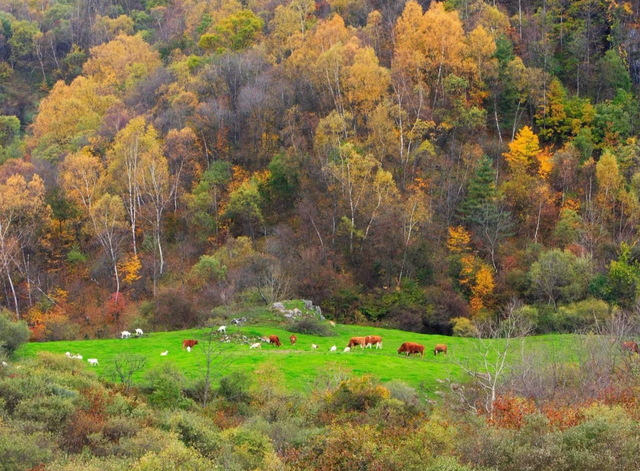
(125, 334)
(346, 350)
(68, 354)
(314, 346)
(139, 332)
(222, 329)
(78, 357)
(334, 349)
(93, 361)
(255, 345)
(4, 363)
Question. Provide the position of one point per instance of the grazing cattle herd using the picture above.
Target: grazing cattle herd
(367, 341)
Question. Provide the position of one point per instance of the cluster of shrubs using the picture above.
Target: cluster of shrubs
(55, 414)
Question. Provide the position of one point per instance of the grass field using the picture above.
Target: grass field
(299, 364)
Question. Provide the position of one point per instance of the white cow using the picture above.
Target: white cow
(93, 361)
(346, 350)
(139, 332)
(255, 345)
(125, 334)
(165, 353)
(314, 346)
(222, 329)
(334, 349)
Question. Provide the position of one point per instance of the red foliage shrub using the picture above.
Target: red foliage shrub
(511, 411)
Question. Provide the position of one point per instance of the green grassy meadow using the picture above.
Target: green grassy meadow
(299, 364)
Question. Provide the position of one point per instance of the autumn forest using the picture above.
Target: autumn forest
(401, 163)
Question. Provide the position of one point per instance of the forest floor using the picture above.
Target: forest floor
(299, 364)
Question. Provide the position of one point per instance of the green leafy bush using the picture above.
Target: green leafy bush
(166, 382)
(12, 334)
(19, 452)
(194, 431)
(463, 327)
(311, 326)
(356, 394)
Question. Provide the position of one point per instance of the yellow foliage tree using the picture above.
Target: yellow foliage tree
(122, 62)
(523, 151)
(131, 270)
(70, 114)
(482, 289)
(458, 241)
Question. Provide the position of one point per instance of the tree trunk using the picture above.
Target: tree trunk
(13, 292)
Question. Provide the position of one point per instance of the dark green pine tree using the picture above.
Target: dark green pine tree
(482, 189)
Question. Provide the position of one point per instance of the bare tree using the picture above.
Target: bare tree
(125, 366)
(217, 358)
(544, 372)
(496, 342)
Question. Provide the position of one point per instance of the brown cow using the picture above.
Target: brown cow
(411, 348)
(293, 339)
(440, 348)
(630, 346)
(370, 340)
(356, 341)
(189, 343)
(274, 339)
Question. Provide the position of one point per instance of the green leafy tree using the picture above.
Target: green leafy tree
(560, 276)
(23, 34)
(245, 208)
(482, 188)
(567, 228)
(234, 32)
(205, 199)
(208, 270)
(623, 284)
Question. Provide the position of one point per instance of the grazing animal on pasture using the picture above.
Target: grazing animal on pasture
(139, 333)
(77, 357)
(4, 363)
(165, 353)
(370, 340)
(346, 350)
(314, 346)
(630, 346)
(411, 348)
(93, 361)
(189, 343)
(293, 339)
(440, 348)
(356, 341)
(255, 345)
(274, 339)
(125, 334)
(68, 354)
(334, 349)
(222, 329)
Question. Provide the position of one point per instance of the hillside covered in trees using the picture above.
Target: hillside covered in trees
(398, 162)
